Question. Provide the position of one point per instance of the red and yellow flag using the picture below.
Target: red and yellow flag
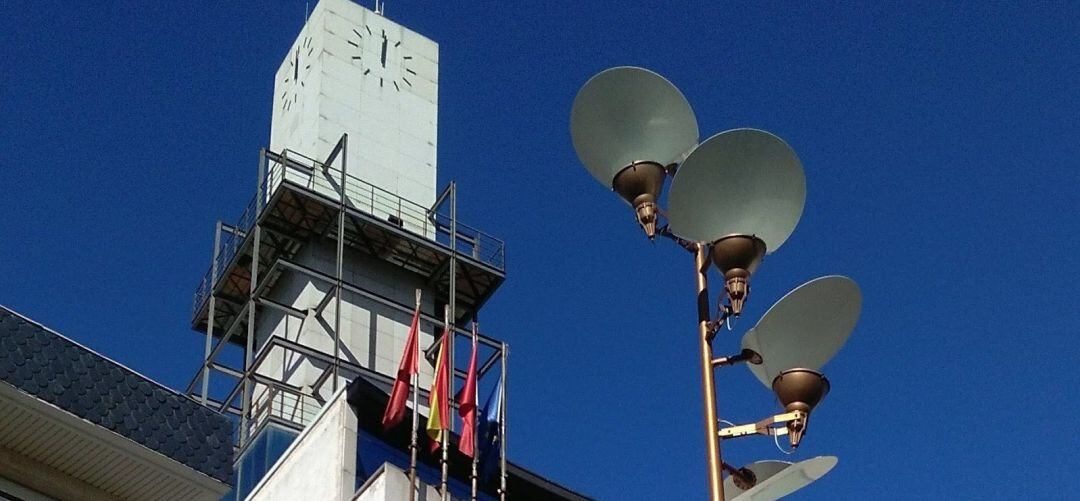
(438, 398)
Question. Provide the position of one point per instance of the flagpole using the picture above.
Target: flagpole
(502, 428)
(450, 309)
(475, 433)
(415, 414)
(446, 389)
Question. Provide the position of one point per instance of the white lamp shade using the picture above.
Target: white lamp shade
(776, 479)
(805, 328)
(738, 182)
(625, 115)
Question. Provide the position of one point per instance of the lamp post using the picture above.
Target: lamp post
(734, 198)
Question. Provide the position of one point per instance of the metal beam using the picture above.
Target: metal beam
(385, 301)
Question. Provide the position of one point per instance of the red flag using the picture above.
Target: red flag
(395, 408)
(467, 406)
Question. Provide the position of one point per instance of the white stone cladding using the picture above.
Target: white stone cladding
(341, 77)
(372, 335)
(352, 71)
(320, 463)
(392, 484)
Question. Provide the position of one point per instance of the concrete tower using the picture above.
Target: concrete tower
(352, 71)
(314, 286)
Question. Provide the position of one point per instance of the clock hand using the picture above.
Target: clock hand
(384, 52)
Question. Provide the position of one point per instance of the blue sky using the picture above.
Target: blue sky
(939, 142)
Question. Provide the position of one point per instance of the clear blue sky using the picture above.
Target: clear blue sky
(940, 144)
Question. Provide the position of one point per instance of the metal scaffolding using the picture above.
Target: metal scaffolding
(298, 201)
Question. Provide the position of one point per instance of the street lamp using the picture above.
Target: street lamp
(734, 198)
(628, 125)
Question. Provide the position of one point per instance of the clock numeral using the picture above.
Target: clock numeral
(398, 43)
(396, 87)
(367, 71)
(410, 71)
(406, 80)
(353, 44)
(406, 57)
(358, 34)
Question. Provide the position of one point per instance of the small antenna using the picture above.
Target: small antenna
(307, 11)
(379, 7)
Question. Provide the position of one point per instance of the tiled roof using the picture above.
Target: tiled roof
(55, 369)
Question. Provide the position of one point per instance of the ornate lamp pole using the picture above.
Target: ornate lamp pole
(734, 198)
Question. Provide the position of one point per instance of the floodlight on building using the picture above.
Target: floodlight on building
(734, 198)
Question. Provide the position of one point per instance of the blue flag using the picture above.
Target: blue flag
(489, 433)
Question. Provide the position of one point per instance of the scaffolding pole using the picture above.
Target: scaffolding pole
(253, 284)
(502, 428)
(210, 316)
(339, 286)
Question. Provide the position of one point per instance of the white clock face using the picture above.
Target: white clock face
(382, 57)
(299, 64)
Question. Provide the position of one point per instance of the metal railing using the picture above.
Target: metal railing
(283, 404)
(360, 195)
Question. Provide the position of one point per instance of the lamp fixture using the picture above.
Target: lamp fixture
(628, 124)
(734, 199)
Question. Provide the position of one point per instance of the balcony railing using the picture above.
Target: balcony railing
(360, 195)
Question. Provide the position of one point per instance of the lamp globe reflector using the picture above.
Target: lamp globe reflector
(738, 182)
(743, 191)
(805, 328)
(627, 125)
(776, 479)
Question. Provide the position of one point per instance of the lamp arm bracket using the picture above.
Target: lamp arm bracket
(766, 426)
(665, 231)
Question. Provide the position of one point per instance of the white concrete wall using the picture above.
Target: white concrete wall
(389, 110)
(320, 464)
(392, 484)
(372, 335)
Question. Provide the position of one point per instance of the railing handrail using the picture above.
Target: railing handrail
(484, 247)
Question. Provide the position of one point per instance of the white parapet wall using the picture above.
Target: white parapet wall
(320, 464)
(390, 483)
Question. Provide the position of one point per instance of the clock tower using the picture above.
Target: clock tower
(353, 71)
(342, 244)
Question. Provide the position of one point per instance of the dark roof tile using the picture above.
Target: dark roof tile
(55, 369)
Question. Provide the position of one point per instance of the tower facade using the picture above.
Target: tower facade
(316, 283)
(352, 71)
